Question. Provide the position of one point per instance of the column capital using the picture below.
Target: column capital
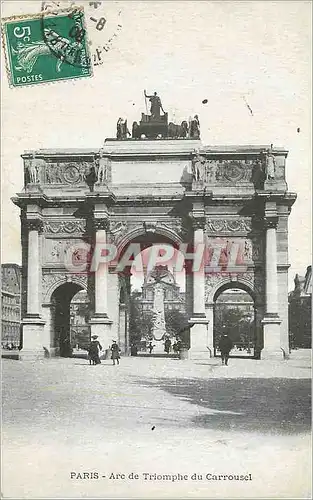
(271, 222)
(103, 224)
(34, 225)
(198, 222)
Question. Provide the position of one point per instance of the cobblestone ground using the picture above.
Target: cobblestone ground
(156, 415)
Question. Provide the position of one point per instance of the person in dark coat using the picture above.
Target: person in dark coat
(94, 349)
(225, 346)
(115, 350)
(167, 346)
(150, 347)
(133, 349)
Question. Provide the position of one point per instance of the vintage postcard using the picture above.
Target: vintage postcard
(156, 262)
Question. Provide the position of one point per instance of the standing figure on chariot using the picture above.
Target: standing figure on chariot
(156, 105)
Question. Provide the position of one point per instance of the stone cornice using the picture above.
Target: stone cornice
(105, 197)
(61, 153)
(243, 150)
(24, 199)
(278, 196)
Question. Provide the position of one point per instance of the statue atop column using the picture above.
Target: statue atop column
(156, 105)
(198, 166)
(269, 163)
(121, 129)
(34, 166)
(194, 127)
(102, 168)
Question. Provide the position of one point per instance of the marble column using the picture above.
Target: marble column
(188, 289)
(122, 329)
(100, 324)
(198, 321)
(32, 323)
(271, 321)
(209, 312)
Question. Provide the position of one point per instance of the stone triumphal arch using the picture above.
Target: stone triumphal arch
(149, 190)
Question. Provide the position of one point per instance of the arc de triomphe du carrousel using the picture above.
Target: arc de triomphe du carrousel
(158, 185)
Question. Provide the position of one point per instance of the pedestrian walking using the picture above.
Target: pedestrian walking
(133, 349)
(225, 346)
(94, 349)
(115, 350)
(167, 345)
(150, 347)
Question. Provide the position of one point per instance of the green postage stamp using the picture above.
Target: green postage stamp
(46, 47)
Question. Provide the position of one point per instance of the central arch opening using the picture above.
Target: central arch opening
(235, 315)
(157, 303)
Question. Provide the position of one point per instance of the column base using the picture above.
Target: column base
(101, 325)
(272, 355)
(199, 348)
(32, 355)
(53, 352)
(271, 338)
(33, 338)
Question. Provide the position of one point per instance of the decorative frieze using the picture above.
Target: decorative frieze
(64, 227)
(228, 225)
(40, 171)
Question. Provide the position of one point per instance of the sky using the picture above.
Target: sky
(229, 53)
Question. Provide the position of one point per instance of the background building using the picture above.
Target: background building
(79, 315)
(174, 299)
(10, 305)
(300, 311)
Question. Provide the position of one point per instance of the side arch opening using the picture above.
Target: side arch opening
(235, 315)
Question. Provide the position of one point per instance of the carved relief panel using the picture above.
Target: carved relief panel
(55, 250)
(228, 171)
(70, 173)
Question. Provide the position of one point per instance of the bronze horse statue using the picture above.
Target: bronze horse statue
(181, 130)
(136, 133)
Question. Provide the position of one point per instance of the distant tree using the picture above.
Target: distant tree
(175, 321)
(233, 322)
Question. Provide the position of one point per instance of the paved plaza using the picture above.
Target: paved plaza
(156, 416)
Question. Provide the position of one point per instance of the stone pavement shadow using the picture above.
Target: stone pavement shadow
(266, 406)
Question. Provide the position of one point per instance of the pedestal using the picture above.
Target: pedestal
(33, 330)
(100, 325)
(199, 339)
(271, 338)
